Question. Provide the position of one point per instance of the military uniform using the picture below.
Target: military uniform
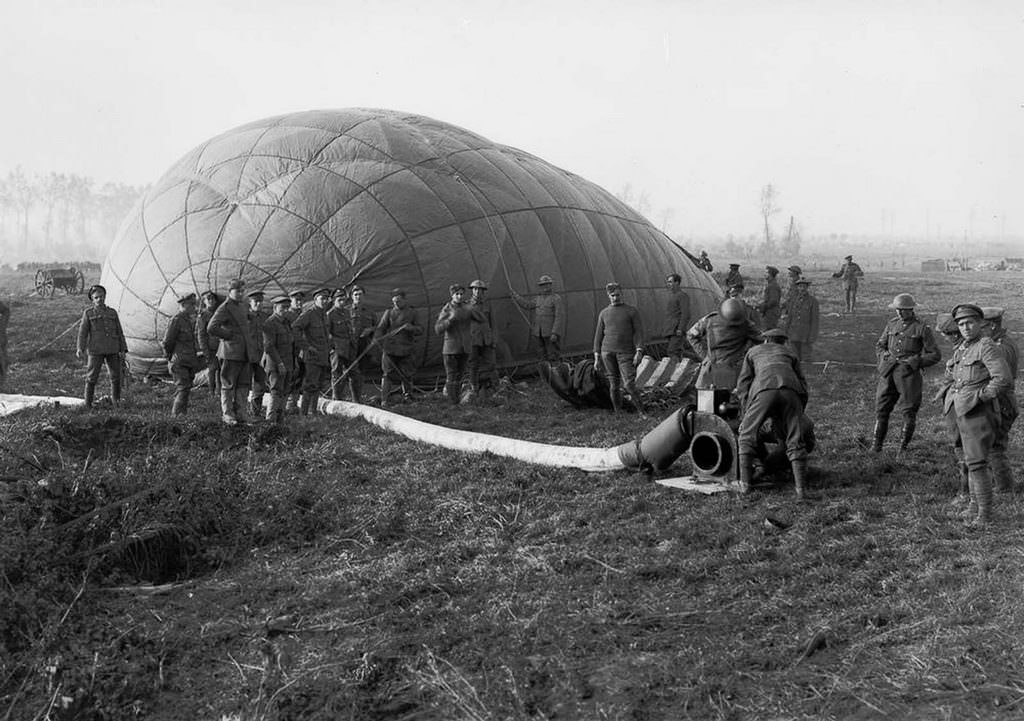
(770, 306)
(721, 346)
(801, 321)
(238, 351)
(1008, 412)
(677, 320)
(772, 385)
(299, 366)
(313, 338)
(978, 375)
(850, 274)
(363, 323)
(482, 356)
(733, 277)
(548, 325)
(259, 377)
(339, 326)
(455, 322)
(206, 346)
(101, 337)
(179, 346)
(397, 361)
(278, 362)
(903, 349)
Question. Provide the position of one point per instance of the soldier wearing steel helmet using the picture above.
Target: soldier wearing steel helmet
(979, 375)
(1008, 410)
(482, 356)
(771, 385)
(721, 339)
(548, 325)
(905, 346)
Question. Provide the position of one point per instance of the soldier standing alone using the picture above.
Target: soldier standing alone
(905, 346)
(180, 350)
(677, 317)
(101, 338)
(850, 274)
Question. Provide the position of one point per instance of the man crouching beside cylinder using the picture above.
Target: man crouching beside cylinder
(772, 385)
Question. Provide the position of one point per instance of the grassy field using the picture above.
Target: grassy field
(329, 570)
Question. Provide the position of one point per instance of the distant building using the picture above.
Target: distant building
(935, 265)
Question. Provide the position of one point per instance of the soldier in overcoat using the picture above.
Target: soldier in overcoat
(364, 323)
(101, 338)
(905, 346)
(1008, 410)
(397, 330)
(179, 346)
(721, 339)
(257, 316)
(455, 323)
(801, 321)
(676, 319)
(237, 352)
(206, 344)
(548, 325)
(339, 326)
(482, 356)
(770, 307)
(313, 338)
(278, 357)
(978, 375)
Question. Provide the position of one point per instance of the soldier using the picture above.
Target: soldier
(704, 262)
(313, 338)
(801, 321)
(979, 375)
(339, 326)
(772, 385)
(1008, 411)
(677, 318)
(363, 325)
(771, 298)
(733, 277)
(850, 273)
(5, 316)
(548, 326)
(278, 356)
(257, 316)
(618, 347)
(180, 350)
(482, 356)
(794, 273)
(237, 353)
(736, 291)
(397, 330)
(298, 298)
(905, 346)
(455, 322)
(721, 339)
(206, 344)
(101, 337)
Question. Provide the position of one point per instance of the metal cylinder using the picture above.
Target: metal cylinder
(712, 455)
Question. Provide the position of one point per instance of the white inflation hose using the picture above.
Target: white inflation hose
(586, 459)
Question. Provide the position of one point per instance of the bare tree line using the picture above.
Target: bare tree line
(60, 216)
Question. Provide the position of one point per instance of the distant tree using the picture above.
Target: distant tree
(23, 195)
(768, 208)
(52, 191)
(791, 243)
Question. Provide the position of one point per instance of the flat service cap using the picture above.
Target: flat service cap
(967, 310)
(189, 298)
(397, 292)
(774, 333)
(297, 294)
(545, 280)
(255, 294)
(795, 269)
(991, 312)
(280, 300)
(236, 284)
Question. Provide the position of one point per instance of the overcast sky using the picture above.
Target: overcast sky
(868, 117)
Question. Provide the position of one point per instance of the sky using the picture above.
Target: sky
(867, 117)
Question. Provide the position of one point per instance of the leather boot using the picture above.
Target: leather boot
(227, 407)
(881, 430)
(115, 390)
(1002, 474)
(357, 391)
(981, 485)
(272, 408)
(800, 477)
(180, 406)
(90, 394)
(385, 391)
(747, 472)
(638, 401)
(616, 401)
(256, 406)
(909, 424)
(241, 398)
(304, 404)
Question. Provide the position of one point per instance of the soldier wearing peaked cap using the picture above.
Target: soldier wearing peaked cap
(793, 274)
(397, 329)
(733, 277)
(548, 325)
(676, 318)
(363, 322)
(455, 323)
(905, 346)
(771, 385)
(619, 346)
(278, 356)
(237, 352)
(770, 307)
(850, 274)
(257, 316)
(313, 338)
(179, 346)
(979, 374)
(1008, 410)
(206, 344)
(339, 325)
(101, 339)
(298, 299)
(801, 321)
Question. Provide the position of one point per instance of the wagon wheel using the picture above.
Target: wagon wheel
(77, 283)
(44, 284)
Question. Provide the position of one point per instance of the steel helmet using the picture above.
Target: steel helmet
(903, 301)
(732, 310)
